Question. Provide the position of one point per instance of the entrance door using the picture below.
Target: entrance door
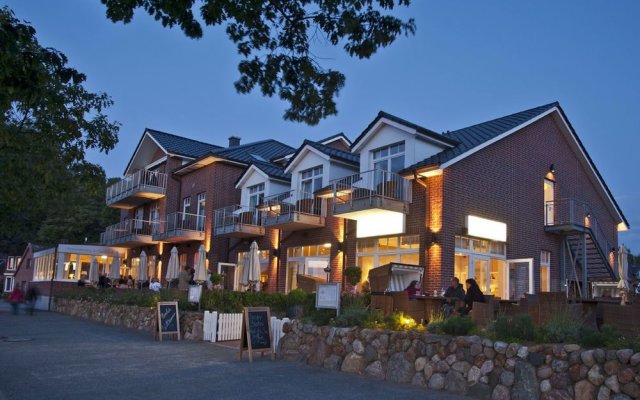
(520, 277)
(481, 272)
(231, 276)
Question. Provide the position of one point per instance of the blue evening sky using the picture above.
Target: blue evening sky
(470, 61)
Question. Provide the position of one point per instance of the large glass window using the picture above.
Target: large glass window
(310, 181)
(256, 195)
(201, 210)
(70, 268)
(545, 271)
(549, 197)
(484, 261)
(154, 217)
(375, 252)
(389, 158)
(307, 260)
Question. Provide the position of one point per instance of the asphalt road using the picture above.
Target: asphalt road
(52, 356)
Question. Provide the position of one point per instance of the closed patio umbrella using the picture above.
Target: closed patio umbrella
(173, 269)
(623, 269)
(93, 270)
(201, 270)
(251, 268)
(142, 269)
(114, 271)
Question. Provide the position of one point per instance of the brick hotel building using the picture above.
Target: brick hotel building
(515, 202)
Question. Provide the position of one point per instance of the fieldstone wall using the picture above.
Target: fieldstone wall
(468, 365)
(133, 317)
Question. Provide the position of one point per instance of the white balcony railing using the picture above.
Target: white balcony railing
(292, 202)
(372, 184)
(136, 182)
(237, 215)
(125, 229)
(180, 221)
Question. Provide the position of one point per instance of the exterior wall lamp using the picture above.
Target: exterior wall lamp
(339, 247)
(274, 252)
(434, 238)
(552, 168)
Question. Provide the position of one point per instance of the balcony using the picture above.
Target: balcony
(369, 193)
(136, 189)
(293, 211)
(129, 233)
(238, 221)
(180, 227)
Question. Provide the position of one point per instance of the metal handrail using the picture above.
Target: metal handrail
(126, 228)
(374, 183)
(182, 221)
(135, 181)
(578, 213)
(236, 215)
(293, 201)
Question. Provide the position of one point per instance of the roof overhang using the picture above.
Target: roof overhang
(558, 114)
(247, 174)
(420, 134)
(339, 137)
(301, 154)
(145, 137)
(202, 162)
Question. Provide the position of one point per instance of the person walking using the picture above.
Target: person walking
(31, 297)
(15, 298)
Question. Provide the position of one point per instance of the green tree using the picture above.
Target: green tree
(275, 37)
(47, 122)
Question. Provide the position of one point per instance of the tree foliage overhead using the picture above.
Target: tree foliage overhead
(48, 120)
(275, 37)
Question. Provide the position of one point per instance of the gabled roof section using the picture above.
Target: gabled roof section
(240, 155)
(336, 137)
(330, 152)
(179, 145)
(473, 136)
(270, 170)
(419, 130)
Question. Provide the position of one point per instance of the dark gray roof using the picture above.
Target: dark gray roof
(336, 154)
(181, 145)
(261, 151)
(272, 170)
(421, 130)
(332, 137)
(475, 135)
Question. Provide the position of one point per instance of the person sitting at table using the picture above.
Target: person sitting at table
(412, 290)
(474, 294)
(453, 293)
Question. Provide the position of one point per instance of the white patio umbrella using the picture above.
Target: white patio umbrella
(114, 270)
(142, 269)
(251, 267)
(173, 269)
(623, 268)
(201, 269)
(93, 270)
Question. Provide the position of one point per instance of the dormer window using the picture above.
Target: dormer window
(256, 195)
(310, 181)
(389, 158)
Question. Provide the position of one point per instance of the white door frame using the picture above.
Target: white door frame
(472, 267)
(531, 280)
(236, 277)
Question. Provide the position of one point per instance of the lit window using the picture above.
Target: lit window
(545, 271)
(310, 181)
(389, 158)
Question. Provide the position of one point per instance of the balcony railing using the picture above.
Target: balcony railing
(371, 189)
(293, 210)
(179, 227)
(133, 190)
(238, 221)
(575, 213)
(128, 232)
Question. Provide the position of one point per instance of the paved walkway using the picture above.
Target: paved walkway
(54, 356)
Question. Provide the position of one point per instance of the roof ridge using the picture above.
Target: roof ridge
(182, 137)
(257, 142)
(549, 105)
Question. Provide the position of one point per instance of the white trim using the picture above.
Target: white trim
(430, 173)
(402, 127)
(245, 175)
(156, 163)
(522, 126)
(145, 134)
(303, 153)
(531, 276)
(340, 136)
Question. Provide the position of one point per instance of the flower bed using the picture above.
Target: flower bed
(469, 365)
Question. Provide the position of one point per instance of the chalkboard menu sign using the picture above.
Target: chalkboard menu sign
(168, 318)
(256, 331)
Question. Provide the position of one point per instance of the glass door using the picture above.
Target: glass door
(481, 273)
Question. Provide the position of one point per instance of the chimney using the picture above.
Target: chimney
(234, 141)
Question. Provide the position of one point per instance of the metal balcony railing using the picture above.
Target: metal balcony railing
(125, 229)
(237, 215)
(375, 183)
(180, 221)
(577, 213)
(291, 202)
(138, 181)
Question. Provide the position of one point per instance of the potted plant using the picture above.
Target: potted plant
(353, 275)
(216, 281)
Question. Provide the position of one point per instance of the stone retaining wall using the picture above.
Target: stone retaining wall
(139, 318)
(468, 365)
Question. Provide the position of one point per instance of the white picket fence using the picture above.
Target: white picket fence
(219, 327)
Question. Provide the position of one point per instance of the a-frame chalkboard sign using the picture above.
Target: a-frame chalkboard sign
(168, 319)
(256, 331)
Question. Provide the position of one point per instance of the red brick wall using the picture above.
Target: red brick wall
(504, 182)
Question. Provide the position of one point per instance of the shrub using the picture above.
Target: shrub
(454, 325)
(397, 321)
(216, 279)
(358, 316)
(513, 328)
(564, 326)
(297, 297)
(352, 275)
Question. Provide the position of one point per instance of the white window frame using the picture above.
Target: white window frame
(549, 205)
(393, 151)
(302, 262)
(201, 205)
(255, 194)
(473, 255)
(139, 217)
(314, 178)
(545, 262)
(376, 252)
(154, 216)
